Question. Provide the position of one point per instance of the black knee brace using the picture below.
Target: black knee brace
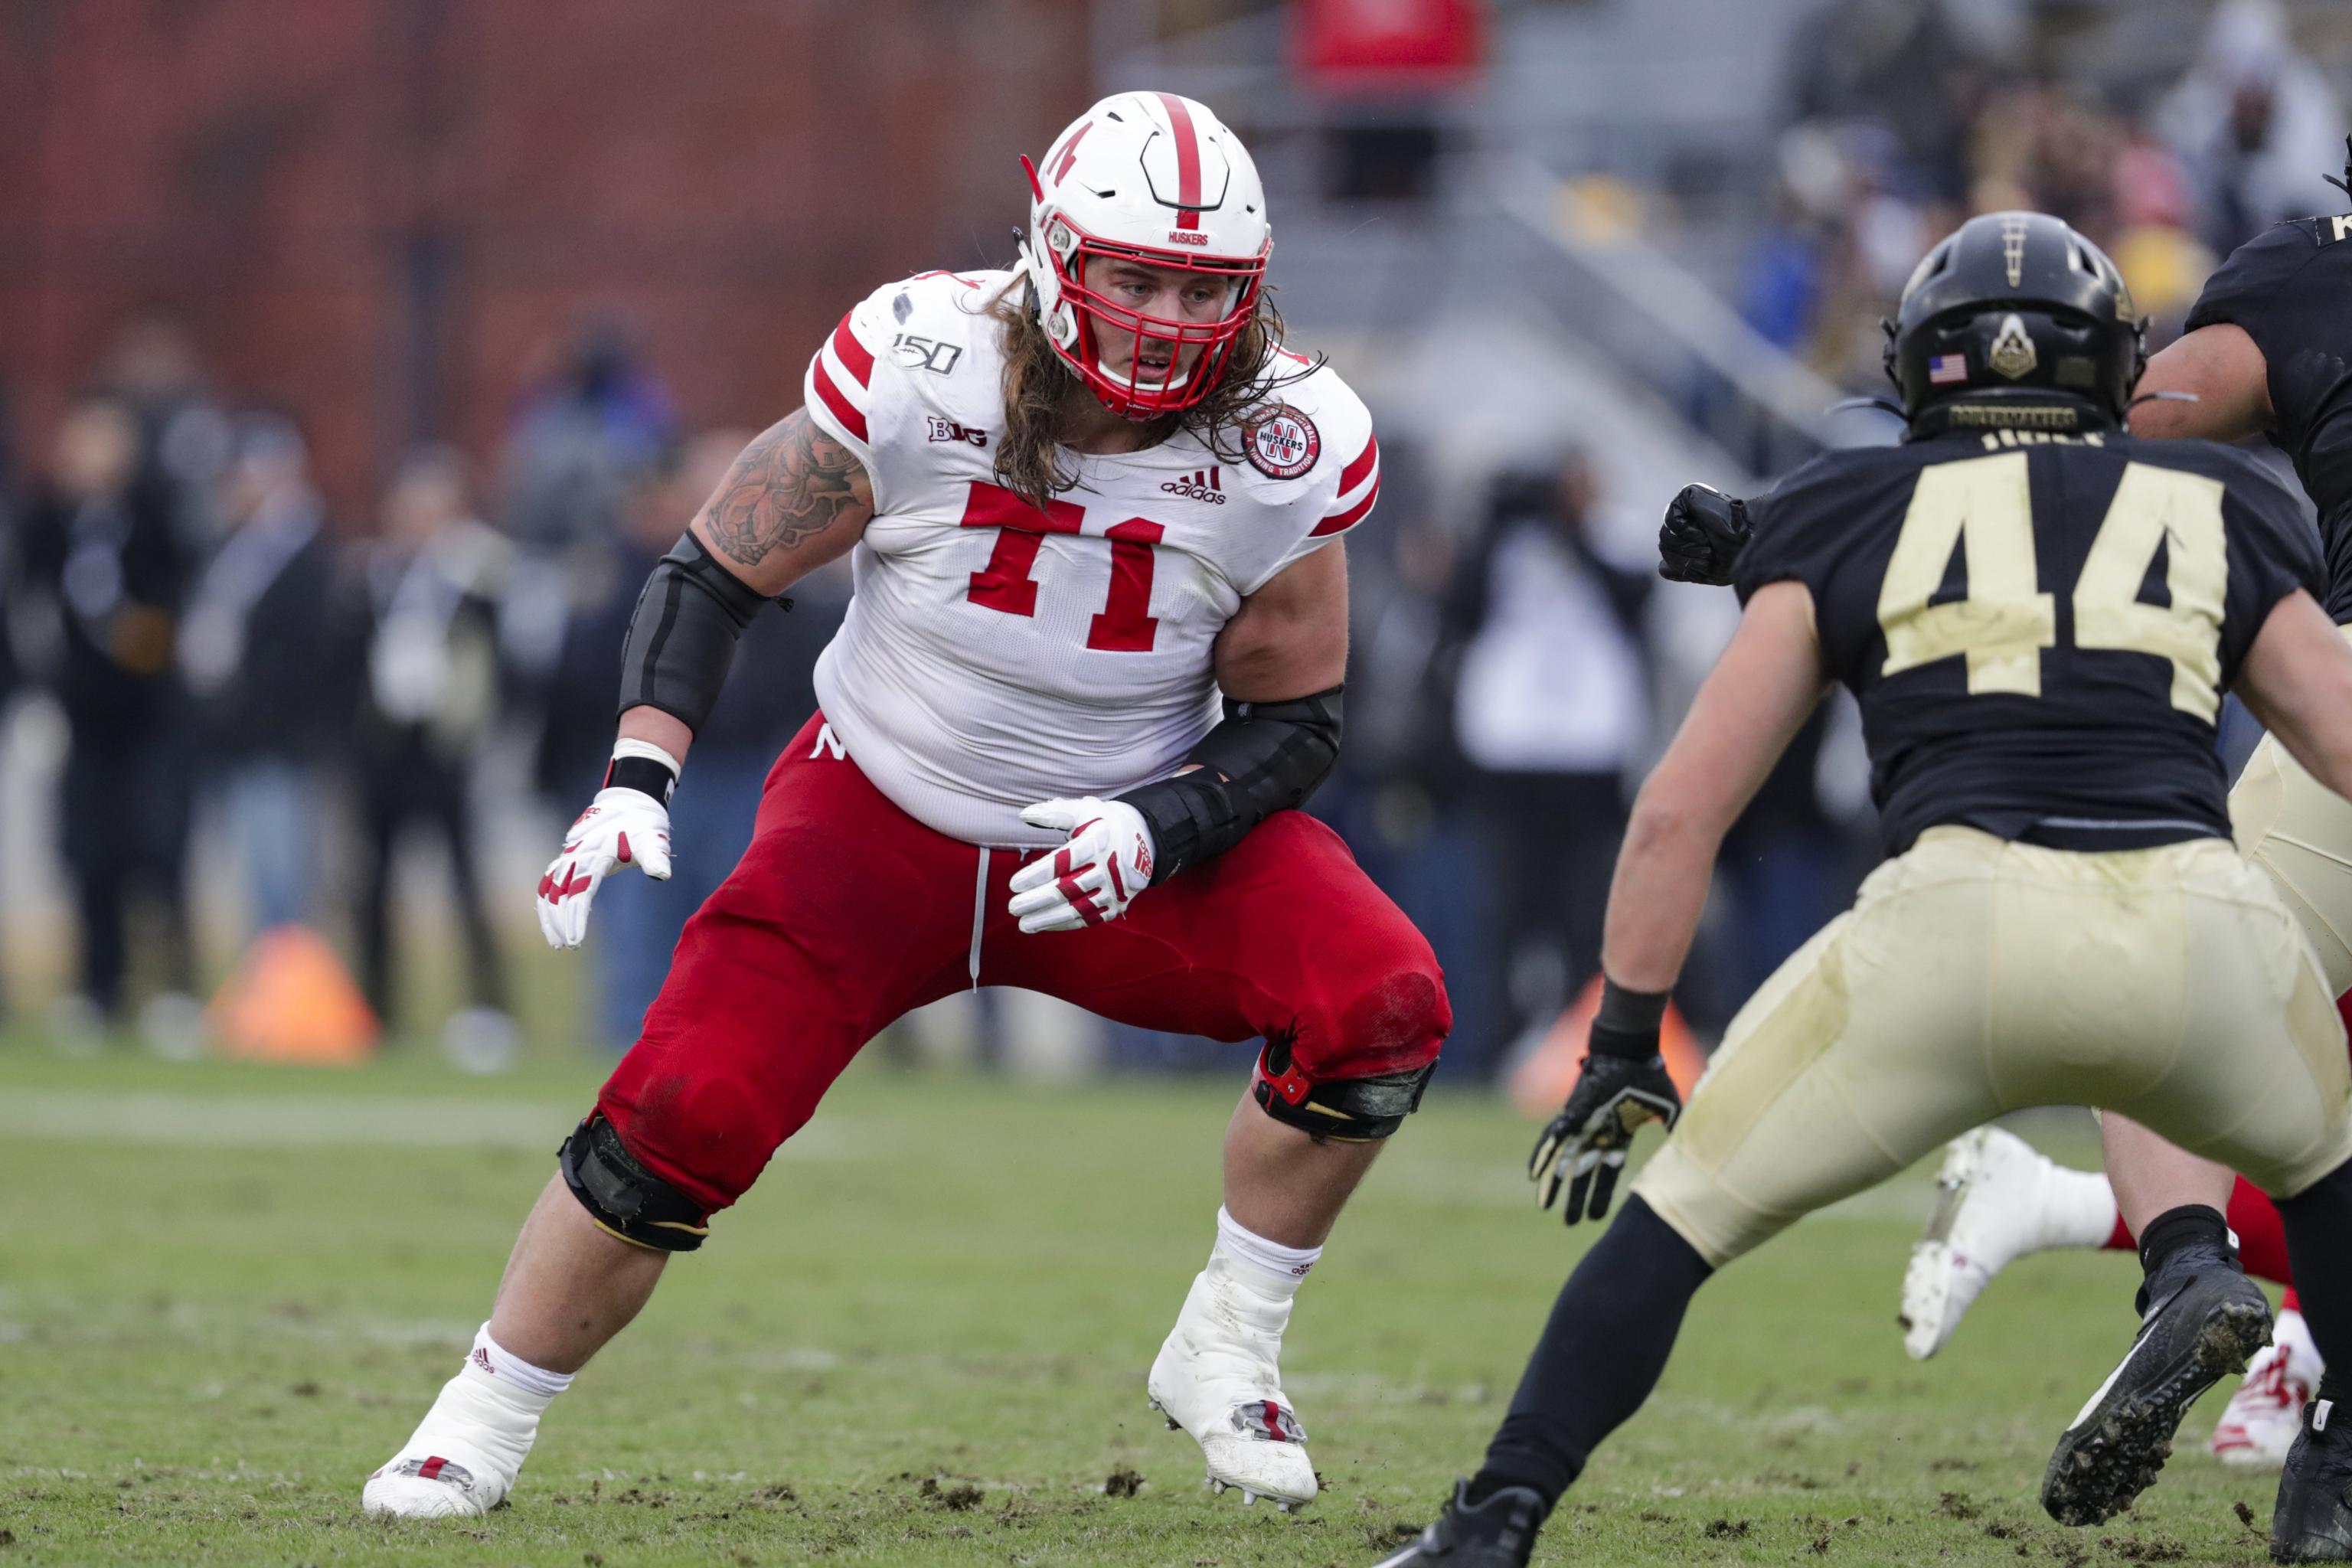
(624, 1198)
(1343, 1109)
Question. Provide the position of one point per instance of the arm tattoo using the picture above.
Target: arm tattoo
(791, 483)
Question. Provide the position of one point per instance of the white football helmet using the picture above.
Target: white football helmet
(1158, 178)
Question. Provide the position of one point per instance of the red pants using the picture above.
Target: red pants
(846, 913)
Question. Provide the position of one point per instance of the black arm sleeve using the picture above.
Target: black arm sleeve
(1263, 758)
(682, 636)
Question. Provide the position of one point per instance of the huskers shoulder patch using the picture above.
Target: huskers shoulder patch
(1284, 443)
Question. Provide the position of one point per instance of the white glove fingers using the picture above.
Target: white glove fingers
(649, 851)
(1052, 813)
(656, 861)
(1035, 900)
(576, 926)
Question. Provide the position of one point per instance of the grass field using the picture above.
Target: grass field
(227, 1293)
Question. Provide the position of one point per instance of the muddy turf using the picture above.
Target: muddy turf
(227, 1293)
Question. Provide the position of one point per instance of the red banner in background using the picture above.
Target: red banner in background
(1412, 46)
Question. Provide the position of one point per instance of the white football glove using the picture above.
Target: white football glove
(620, 828)
(1094, 876)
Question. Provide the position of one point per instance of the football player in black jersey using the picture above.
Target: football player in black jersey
(2268, 349)
(2038, 615)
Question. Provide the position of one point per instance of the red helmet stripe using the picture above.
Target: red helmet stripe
(1188, 162)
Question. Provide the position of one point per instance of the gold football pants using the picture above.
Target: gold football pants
(1974, 977)
(2300, 831)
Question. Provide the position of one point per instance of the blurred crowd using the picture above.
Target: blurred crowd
(314, 691)
(305, 694)
(1910, 115)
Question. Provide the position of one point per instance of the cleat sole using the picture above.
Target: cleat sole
(2115, 1451)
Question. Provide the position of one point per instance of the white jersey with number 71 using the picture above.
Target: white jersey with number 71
(994, 654)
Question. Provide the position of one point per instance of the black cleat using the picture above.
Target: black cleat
(2313, 1522)
(1498, 1534)
(2205, 1319)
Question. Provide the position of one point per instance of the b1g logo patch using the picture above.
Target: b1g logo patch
(1284, 443)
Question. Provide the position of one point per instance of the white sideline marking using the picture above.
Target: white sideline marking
(314, 1121)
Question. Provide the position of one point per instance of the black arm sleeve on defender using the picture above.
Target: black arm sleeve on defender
(682, 637)
(1263, 758)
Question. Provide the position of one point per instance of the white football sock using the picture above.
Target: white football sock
(2078, 1207)
(1267, 1266)
(531, 1386)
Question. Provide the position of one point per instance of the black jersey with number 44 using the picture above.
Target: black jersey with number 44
(2039, 631)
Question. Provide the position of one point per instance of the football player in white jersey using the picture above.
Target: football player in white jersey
(1095, 510)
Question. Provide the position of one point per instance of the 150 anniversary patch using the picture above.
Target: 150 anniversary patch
(1284, 443)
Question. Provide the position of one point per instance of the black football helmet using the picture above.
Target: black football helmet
(2014, 319)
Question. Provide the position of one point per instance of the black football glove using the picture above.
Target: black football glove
(1585, 1144)
(1702, 536)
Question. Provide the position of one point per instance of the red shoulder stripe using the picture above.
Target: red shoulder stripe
(1340, 522)
(853, 355)
(1353, 474)
(852, 417)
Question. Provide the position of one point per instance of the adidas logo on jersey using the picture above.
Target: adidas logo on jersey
(1204, 485)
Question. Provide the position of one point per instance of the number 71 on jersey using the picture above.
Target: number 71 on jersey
(1125, 624)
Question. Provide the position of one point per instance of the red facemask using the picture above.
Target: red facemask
(1100, 320)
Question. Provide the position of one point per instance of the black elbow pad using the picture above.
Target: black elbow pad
(682, 637)
(1263, 758)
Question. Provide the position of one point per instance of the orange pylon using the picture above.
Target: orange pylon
(291, 1000)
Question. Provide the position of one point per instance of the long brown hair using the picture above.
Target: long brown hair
(1038, 387)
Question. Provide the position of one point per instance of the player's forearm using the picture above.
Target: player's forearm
(1655, 898)
(2212, 385)
(1263, 757)
(655, 728)
(2297, 679)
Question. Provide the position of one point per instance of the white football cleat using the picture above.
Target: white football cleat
(1216, 1377)
(464, 1457)
(2266, 1412)
(1996, 1199)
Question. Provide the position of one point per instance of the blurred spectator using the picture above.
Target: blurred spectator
(10, 525)
(1550, 709)
(1901, 64)
(583, 440)
(1790, 863)
(103, 579)
(770, 694)
(2258, 124)
(1785, 273)
(256, 649)
(433, 584)
(154, 366)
